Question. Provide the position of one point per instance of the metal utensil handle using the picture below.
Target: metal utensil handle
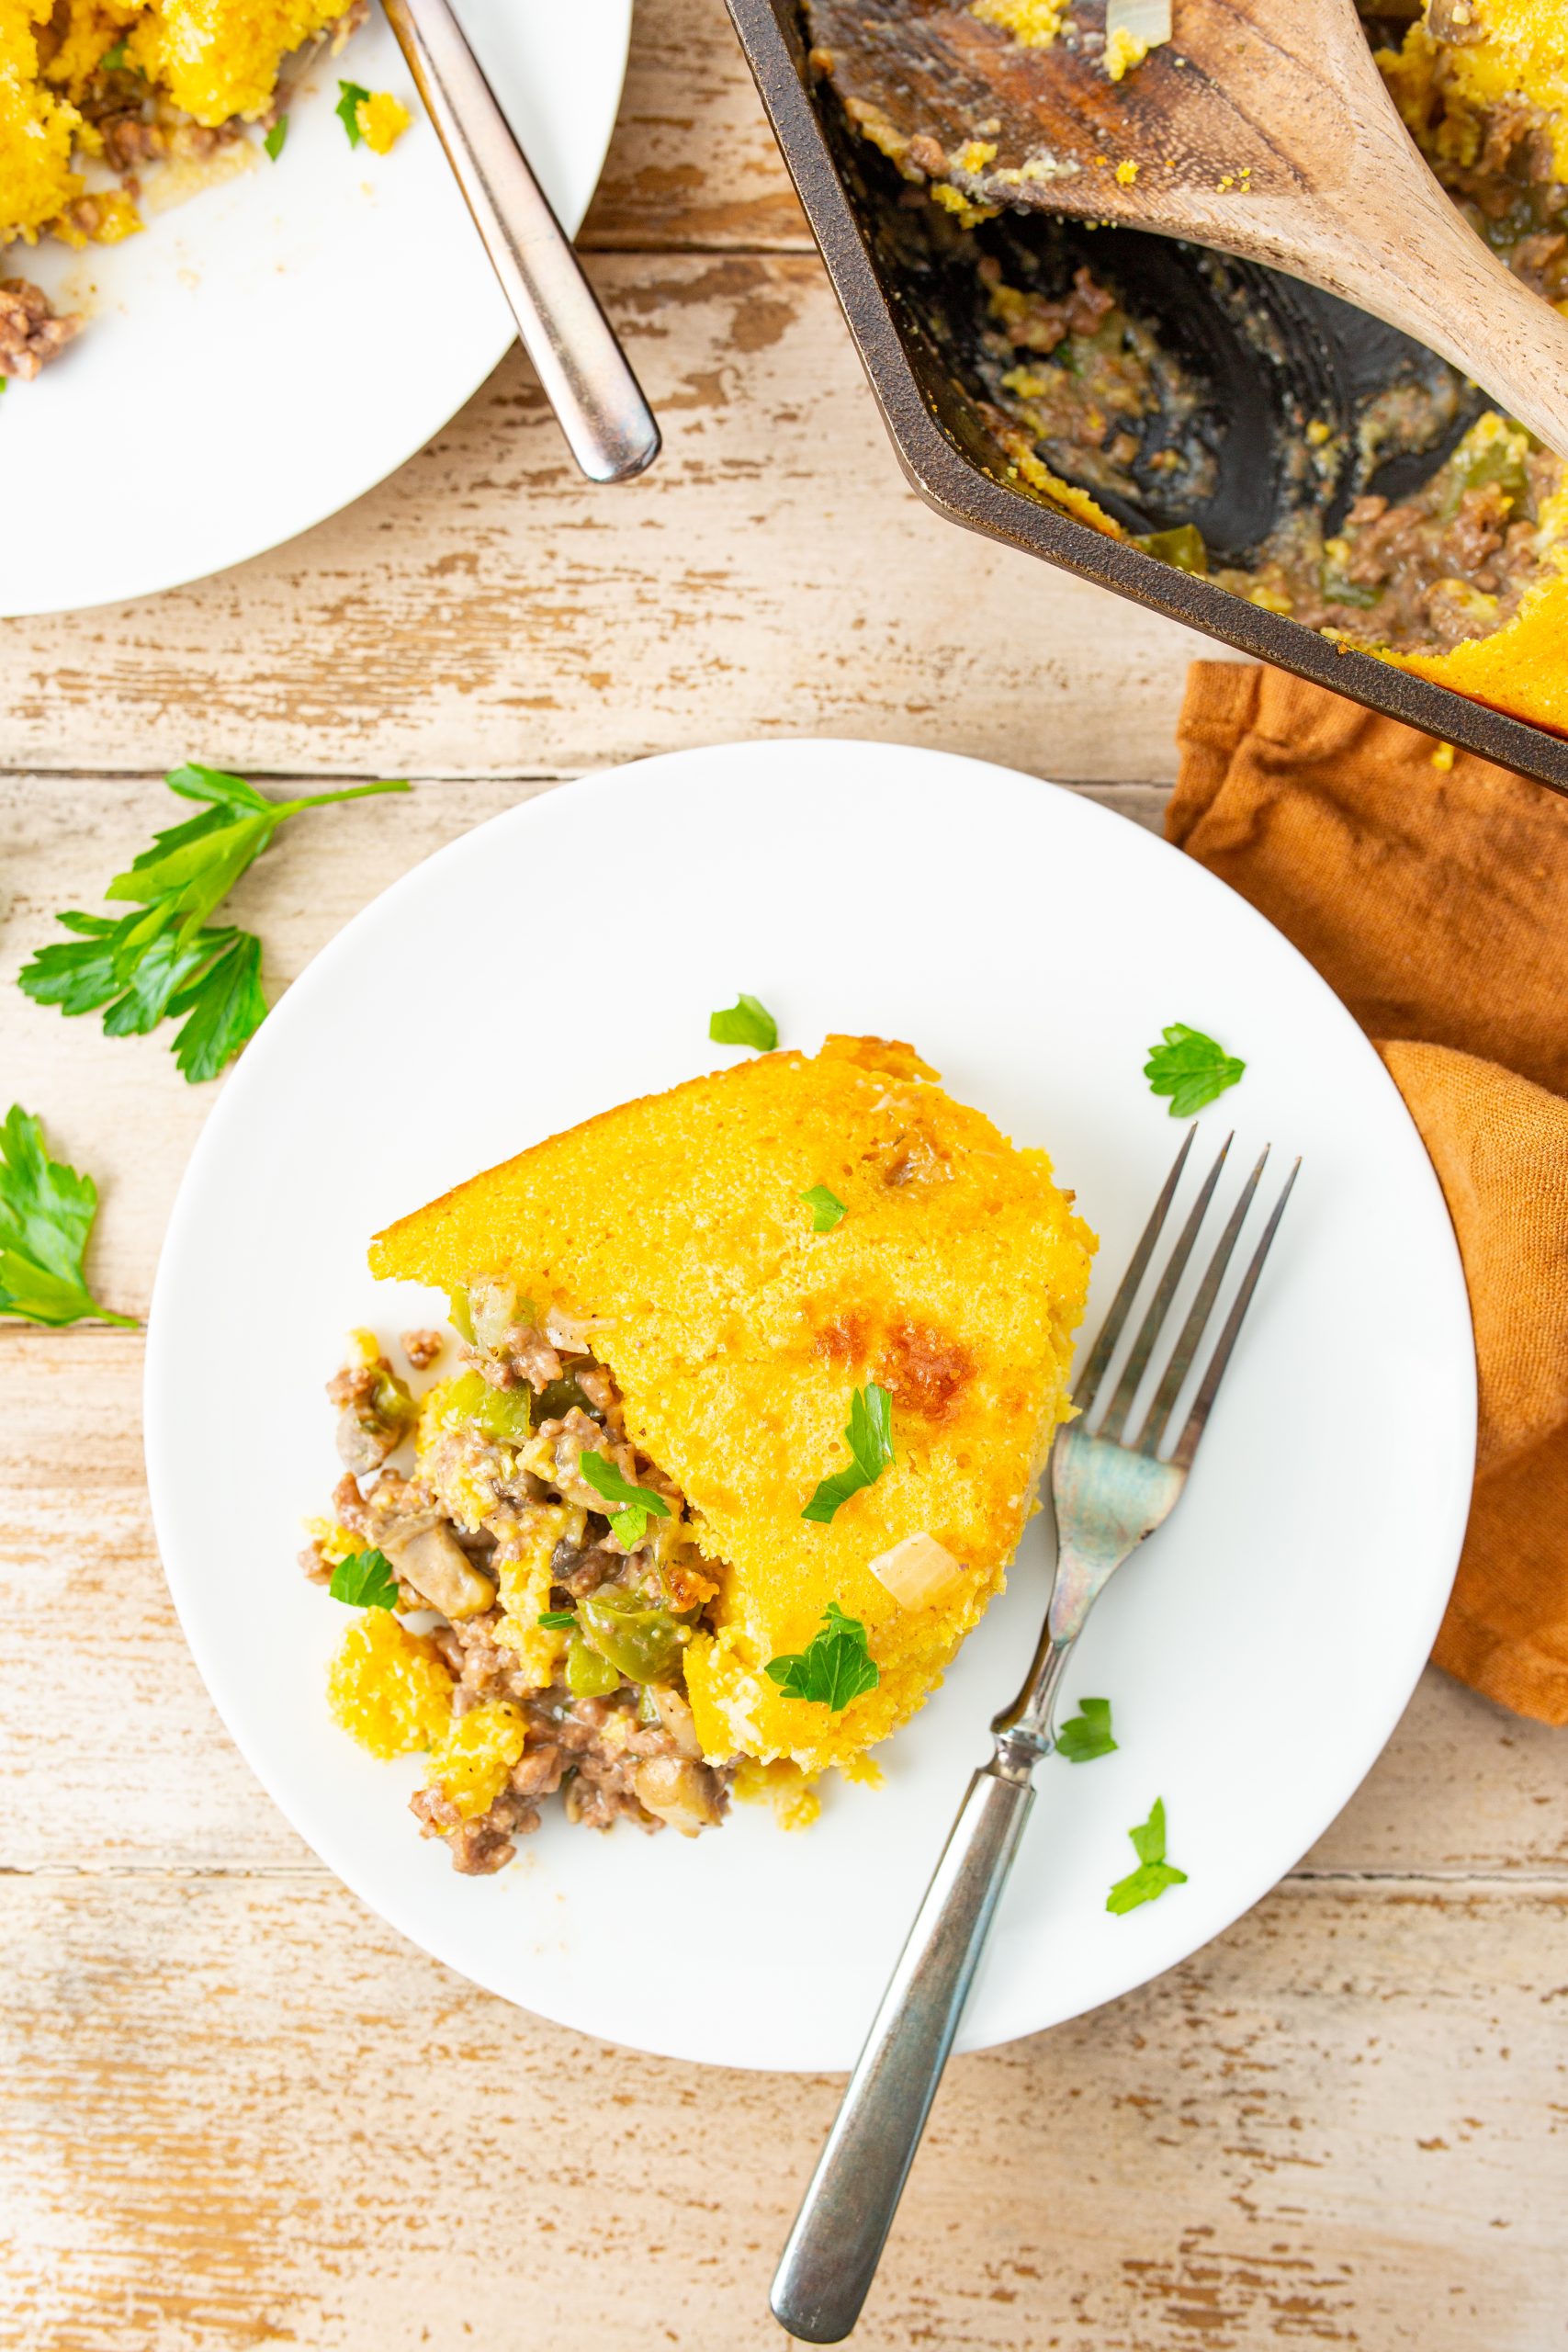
(585, 374)
(833, 2253)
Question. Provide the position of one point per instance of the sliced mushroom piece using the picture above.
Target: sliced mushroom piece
(675, 1715)
(681, 1793)
(431, 1558)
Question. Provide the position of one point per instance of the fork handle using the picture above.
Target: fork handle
(831, 2256)
(585, 374)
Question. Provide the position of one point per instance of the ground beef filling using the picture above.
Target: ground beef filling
(1074, 380)
(31, 332)
(613, 1745)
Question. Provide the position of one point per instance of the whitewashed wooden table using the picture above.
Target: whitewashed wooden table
(236, 2109)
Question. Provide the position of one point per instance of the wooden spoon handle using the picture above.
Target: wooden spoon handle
(1424, 270)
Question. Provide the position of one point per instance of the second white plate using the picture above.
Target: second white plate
(283, 341)
(1257, 1651)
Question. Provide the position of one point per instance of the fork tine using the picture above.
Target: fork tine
(1187, 1444)
(1127, 1387)
(1104, 1347)
(1203, 1306)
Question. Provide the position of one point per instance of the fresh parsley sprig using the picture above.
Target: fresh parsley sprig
(162, 958)
(556, 1621)
(835, 1667)
(277, 137)
(1088, 1733)
(633, 1506)
(1153, 1873)
(747, 1021)
(1192, 1068)
(347, 109)
(366, 1580)
(46, 1220)
(825, 1208)
(870, 1440)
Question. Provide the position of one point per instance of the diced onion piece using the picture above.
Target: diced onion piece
(571, 1333)
(918, 1571)
(1145, 21)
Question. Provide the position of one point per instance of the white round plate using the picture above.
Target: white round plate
(1257, 1650)
(280, 342)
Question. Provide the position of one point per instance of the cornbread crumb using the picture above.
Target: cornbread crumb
(1122, 52)
(1443, 757)
(383, 121)
(387, 1688)
(1034, 24)
(953, 200)
(792, 1794)
(1126, 172)
(471, 1760)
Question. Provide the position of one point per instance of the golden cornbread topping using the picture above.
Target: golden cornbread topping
(94, 95)
(755, 1380)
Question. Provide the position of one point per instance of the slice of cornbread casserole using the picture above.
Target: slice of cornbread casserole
(757, 1378)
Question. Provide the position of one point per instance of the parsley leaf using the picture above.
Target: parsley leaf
(347, 109)
(364, 1580)
(275, 139)
(1192, 1068)
(46, 1218)
(826, 1208)
(834, 1667)
(113, 61)
(870, 1440)
(1088, 1733)
(745, 1022)
(160, 958)
(557, 1620)
(636, 1505)
(225, 1005)
(1153, 1873)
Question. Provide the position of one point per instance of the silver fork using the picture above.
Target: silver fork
(1111, 1491)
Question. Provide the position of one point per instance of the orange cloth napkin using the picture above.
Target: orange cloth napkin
(1434, 899)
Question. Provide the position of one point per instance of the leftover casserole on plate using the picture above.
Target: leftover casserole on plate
(737, 1430)
(100, 99)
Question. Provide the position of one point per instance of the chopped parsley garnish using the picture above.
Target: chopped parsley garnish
(1192, 1068)
(162, 957)
(826, 1208)
(366, 1580)
(870, 1440)
(1088, 1733)
(1153, 1873)
(347, 109)
(557, 1620)
(46, 1219)
(635, 1506)
(834, 1667)
(114, 60)
(275, 137)
(745, 1023)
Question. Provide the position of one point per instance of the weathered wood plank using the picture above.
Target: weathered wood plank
(485, 612)
(61, 838)
(253, 2115)
(692, 164)
(1462, 1788)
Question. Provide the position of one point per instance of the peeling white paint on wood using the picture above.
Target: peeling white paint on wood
(254, 2115)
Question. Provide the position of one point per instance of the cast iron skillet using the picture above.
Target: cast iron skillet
(914, 343)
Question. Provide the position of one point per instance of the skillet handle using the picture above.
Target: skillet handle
(585, 374)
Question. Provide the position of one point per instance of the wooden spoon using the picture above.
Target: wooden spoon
(1263, 128)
